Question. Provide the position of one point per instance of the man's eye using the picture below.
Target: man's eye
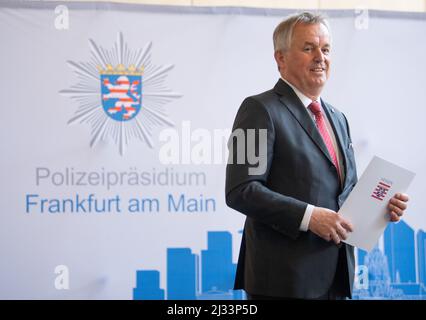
(326, 51)
(307, 49)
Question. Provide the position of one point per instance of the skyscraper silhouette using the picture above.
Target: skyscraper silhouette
(148, 286)
(400, 251)
(181, 274)
(216, 263)
(361, 256)
(421, 256)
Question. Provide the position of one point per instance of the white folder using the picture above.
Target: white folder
(366, 206)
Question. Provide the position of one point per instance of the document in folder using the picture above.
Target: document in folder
(366, 206)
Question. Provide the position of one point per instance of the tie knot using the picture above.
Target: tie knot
(315, 107)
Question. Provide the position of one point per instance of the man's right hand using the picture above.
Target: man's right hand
(329, 225)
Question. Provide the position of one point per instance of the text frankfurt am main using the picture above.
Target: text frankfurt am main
(90, 203)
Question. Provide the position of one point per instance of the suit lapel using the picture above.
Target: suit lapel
(298, 110)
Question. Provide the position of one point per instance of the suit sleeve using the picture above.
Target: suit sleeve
(247, 192)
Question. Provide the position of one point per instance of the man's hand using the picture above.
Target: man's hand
(397, 205)
(329, 225)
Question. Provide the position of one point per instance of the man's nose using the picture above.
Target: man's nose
(318, 55)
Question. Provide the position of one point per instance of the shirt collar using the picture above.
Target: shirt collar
(304, 99)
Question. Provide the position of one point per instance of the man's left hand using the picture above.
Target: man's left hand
(397, 205)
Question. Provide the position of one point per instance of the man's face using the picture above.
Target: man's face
(306, 63)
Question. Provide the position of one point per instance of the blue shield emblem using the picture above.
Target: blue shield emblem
(121, 95)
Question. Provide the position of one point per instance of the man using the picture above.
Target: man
(291, 246)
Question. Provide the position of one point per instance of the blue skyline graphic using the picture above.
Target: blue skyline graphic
(397, 272)
(190, 277)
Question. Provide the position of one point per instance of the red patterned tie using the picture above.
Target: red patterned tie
(315, 107)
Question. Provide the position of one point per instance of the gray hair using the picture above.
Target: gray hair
(283, 33)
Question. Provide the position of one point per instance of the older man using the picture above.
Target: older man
(291, 246)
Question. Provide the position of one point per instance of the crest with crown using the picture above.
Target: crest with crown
(120, 69)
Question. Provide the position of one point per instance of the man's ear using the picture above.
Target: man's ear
(280, 59)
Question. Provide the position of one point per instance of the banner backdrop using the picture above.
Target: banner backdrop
(114, 126)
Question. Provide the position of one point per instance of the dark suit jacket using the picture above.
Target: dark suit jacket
(276, 259)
